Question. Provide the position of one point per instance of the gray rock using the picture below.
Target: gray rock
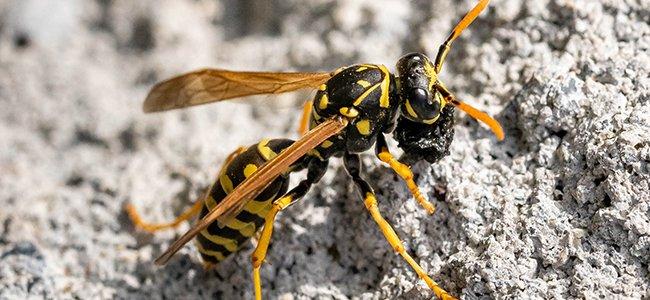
(560, 209)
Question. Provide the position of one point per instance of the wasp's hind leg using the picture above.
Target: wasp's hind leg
(303, 127)
(404, 171)
(317, 169)
(137, 221)
(153, 227)
(353, 166)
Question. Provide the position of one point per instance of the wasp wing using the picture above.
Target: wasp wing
(211, 85)
(258, 181)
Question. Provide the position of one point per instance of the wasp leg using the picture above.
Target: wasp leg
(464, 22)
(137, 221)
(304, 120)
(207, 266)
(353, 166)
(404, 171)
(317, 169)
(153, 227)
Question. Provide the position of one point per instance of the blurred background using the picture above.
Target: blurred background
(559, 210)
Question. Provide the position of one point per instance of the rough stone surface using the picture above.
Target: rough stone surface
(560, 209)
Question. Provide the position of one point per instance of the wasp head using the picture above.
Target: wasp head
(417, 86)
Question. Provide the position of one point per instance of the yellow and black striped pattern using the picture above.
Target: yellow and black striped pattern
(217, 242)
(361, 93)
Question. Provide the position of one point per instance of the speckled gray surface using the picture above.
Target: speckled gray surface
(559, 210)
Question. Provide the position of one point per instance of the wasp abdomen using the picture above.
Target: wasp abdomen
(216, 242)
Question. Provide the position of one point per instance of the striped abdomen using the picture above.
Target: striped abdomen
(216, 243)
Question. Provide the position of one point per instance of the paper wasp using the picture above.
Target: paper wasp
(353, 109)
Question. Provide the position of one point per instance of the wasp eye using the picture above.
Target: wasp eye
(423, 104)
(418, 95)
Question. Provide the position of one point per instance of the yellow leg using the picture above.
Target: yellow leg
(207, 266)
(151, 227)
(304, 120)
(137, 221)
(371, 204)
(263, 244)
(405, 172)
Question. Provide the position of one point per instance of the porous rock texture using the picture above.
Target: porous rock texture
(560, 209)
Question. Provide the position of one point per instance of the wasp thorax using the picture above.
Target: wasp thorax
(419, 98)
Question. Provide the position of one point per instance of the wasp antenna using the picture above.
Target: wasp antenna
(473, 112)
(494, 125)
(464, 22)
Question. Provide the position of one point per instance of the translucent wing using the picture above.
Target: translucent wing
(255, 184)
(211, 85)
